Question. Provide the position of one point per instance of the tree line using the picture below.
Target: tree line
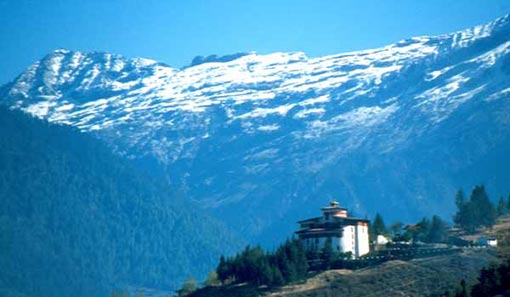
(478, 210)
(475, 212)
(287, 264)
(433, 230)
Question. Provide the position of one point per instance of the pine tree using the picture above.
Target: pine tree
(327, 254)
(487, 283)
(287, 264)
(460, 199)
(492, 281)
(301, 260)
(422, 230)
(460, 202)
(508, 204)
(266, 272)
(501, 210)
(478, 211)
(286, 267)
(378, 227)
(222, 270)
(437, 232)
(469, 220)
(277, 277)
(485, 214)
(463, 290)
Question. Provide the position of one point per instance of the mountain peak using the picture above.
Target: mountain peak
(60, 51)
(307, 116)
(503, 21)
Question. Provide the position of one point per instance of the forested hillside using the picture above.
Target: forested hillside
(75, 220)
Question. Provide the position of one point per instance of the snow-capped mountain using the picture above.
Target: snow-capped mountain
(263, 140)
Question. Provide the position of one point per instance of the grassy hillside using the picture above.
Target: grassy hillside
(75, 220)
(421, 277)
(501, 231)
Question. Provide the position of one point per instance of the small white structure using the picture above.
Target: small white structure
(381, 239)
(489, 241)
(347, 234)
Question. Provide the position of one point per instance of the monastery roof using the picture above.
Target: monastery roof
(309, 220)
(333, 207)
(335, 219)
(318, 231)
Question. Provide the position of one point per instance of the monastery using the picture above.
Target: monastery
(347, 234)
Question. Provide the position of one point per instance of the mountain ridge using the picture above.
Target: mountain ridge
(287, 132)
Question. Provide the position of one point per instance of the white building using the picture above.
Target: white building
(347, 234)
(381, 239)
(488, 241)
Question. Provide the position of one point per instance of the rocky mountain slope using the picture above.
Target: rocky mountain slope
(263, 140)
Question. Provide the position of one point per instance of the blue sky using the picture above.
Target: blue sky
(175, 31)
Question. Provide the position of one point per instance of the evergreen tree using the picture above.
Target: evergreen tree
(487, 283)
(327, 254)
(286, 267)
(508, 204)
(222, 270)
(438, 230)
(266, 272)
(501, 209)
(504, 276)
(463, 290)
(460, 202)
(478, 211)
(492, 281)
(460, 199)
(422, 230)
(378, 227)
(277, 277)
(469, 218)
(300, 260)
(485, 213)
(253, 265)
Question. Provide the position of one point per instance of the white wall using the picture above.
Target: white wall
(349, 240)
(363, 241)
